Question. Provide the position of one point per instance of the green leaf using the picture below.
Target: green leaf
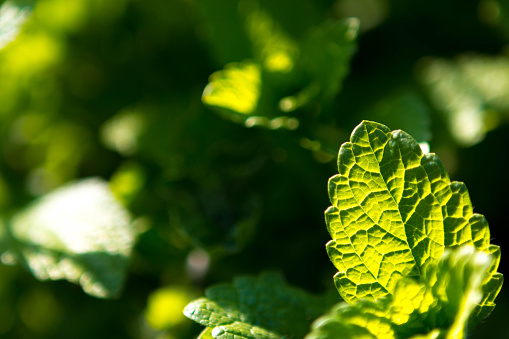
(273, 48)
(12, 17)
(470, 92)
(257, 308)
(394, 211)
(79, 232)
(256, 92)
(206, 334)
(236, 88)
(326, 53)
(439, 306)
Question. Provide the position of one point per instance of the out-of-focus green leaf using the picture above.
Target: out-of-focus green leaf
(206, 334)
(272, 47)
(471, 92)
(256, 92)
(438, 306)
(12, 17)
(325, 59)
(403, 110)
(79, 232)
(257, 308)
(393, 211)
(164, 308)
(236, 88)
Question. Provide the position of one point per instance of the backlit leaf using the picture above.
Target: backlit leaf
(12, 17)
(439, 306)
(79, 232)
(393, 211)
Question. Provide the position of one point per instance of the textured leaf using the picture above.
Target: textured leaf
(12, 17)
(439, 306)
(257, 308)
(394, 211)
(79, 232)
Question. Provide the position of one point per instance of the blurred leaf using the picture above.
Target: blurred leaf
(165, 305)
(272, 47)
(122, 131)
(395, 210)
(471, 92)
(325, 60)
(12, 17)
(236, 88)
(438, 306)
(405, 110)
(206, 334)
(79, 232)
(257, 308)
(249, 93)
(370, 13)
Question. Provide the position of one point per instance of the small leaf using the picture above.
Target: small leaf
(394, 211)
(236, 88)
(257, 308)
(438, 306)
(79, 232)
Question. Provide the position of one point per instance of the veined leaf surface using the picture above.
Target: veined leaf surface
(393, 211)
(257, 308)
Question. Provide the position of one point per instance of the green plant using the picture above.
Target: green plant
(413, 258)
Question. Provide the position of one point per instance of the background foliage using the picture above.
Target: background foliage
(235, 183)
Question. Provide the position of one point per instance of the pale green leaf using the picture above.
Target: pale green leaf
(12, 17)
(438, 306)
(257, 308)
(393, 211)
(470, 92)
(79, 232)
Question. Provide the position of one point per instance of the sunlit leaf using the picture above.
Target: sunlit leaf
(79, 232)
(438, 306)
(257, 308)
(393, 211)
(236, 88)
(12, 17)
